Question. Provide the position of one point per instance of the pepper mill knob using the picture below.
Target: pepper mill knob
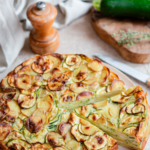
(43, 37)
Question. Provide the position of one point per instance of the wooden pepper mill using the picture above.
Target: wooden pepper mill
(43, 37)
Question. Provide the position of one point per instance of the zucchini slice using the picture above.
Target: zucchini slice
(57, 82)
(138, 108)
(66, 98)
(79, 137)
(97, 141)
(18, 124)
(129, 108)
(22, 81)
(42, 65)
(26, 101)
(131, 130)
(28, 112)
(87, 129)
(5, 86)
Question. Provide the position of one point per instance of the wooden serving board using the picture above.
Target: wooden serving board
(106, 27)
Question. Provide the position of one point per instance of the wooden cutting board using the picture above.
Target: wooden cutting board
(106, 27)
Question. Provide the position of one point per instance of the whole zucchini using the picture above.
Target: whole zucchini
(126, 8)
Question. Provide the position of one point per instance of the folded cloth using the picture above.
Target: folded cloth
(11, 39)
(68, 10)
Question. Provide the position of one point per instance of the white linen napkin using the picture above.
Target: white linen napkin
(11, 35)
(11, 32)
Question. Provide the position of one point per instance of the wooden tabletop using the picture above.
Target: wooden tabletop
(79, 37)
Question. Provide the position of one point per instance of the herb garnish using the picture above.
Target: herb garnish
(131, 37)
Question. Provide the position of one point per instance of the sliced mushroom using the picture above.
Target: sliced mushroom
(26, 101)
(57, 82)
(84, 95)
(55, 139)
(95, 65)
(5, 129)
(66, 98)
(104, 75)
(2, 114)
(5, 86)
(23, 81)
(138, 108)
(116, 85)
(64, 128)
(40, 113)
(97, 141)
(79, 137)
(42, 65)
(87, 129)
(77, 87)
(11, 116)
(34, 124)
(129, 108)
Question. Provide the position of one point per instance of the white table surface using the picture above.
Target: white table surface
(79, 37)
